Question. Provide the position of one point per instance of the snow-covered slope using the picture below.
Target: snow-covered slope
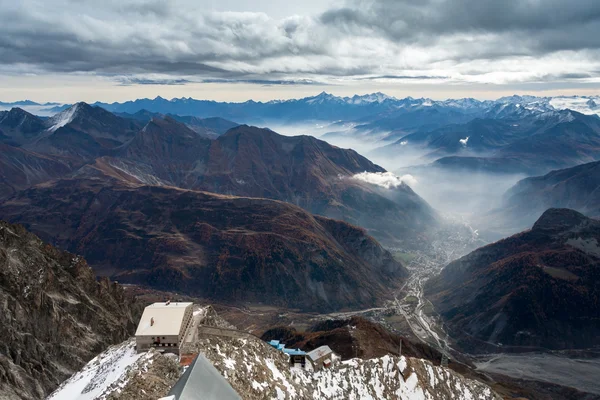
(63, 118)
(107, 374)
(258, 371)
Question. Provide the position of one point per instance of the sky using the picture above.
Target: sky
(235, 50)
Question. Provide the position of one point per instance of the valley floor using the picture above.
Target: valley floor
(578, 373)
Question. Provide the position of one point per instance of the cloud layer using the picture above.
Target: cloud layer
(386, 180)
(179, 41)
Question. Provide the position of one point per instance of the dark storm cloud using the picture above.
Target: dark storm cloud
(366, 40)
(145, 36)
(128, 81)
(267, 82)
(549, 25)
(400, 77)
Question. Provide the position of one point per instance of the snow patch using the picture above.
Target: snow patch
(464, 141)
(63, 118)
(105, 373)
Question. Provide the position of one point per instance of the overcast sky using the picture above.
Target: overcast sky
(114, 50)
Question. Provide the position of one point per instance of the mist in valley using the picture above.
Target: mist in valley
(466, 196)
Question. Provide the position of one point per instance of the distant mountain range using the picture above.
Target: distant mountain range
(530, 144)
(499, 136)
(539, 289)
(327, 107)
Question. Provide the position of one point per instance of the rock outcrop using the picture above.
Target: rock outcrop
(54, 315)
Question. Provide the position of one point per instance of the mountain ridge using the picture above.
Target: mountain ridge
(221, 247)
(535, 290)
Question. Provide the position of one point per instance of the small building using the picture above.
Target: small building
(321, 357)
(163, 326)
(297, 356)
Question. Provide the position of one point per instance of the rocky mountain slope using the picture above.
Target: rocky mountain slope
(120, 373)
(54, 315)
(355, 337)
(20, 169)
(221, 247)
(245, 161)
(576, 188)
(84, 132)
(207, 127)
(302, 170)
(18, 127)
(258, 371)
(536, 289)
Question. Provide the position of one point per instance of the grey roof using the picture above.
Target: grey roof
(319, 352)
(203, 381)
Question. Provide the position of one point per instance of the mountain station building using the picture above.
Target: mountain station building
(163, 326)
(321, 357)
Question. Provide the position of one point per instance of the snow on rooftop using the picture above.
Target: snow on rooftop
(170, 305)
(319, 352)
(162, 319)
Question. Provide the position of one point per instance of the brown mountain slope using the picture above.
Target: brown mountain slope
(539, 288)
(302, 170)
(221, 247)
(245, 161)
(577, 188)
(356, 337)
(167, 150)
(54, 315)
(83, 132)
(20, 169)
(18, 127)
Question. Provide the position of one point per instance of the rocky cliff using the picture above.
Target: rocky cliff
(54, 315)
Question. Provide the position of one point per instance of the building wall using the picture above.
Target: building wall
(318, 363)
(144, 343)
(187, 319)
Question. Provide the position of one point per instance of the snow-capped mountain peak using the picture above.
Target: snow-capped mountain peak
(321, 98)
(377, 97)
(63, 118)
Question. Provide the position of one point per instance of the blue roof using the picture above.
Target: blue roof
(281, 347)
(294, 352)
